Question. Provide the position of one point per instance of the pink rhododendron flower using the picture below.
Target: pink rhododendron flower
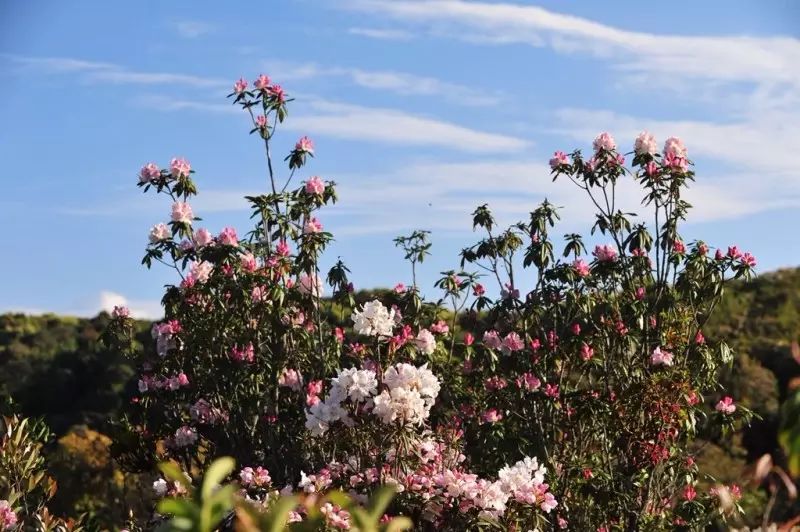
(651, 169)
(292, 379)
(312, 225)
(604, 141)
(586, 351)
(440, 327)
(726, 406)
(314, 186)
(645, 144)
(679, 247)
(469, 339)
(425, 342)
(261, 121)
(689, 493)
(605, 253)
(240, 86)
(262, 82)
(699, 339)
(121, 311)
(478, 290)
(282, 249)
(492, 340)
(201, 271)
(259, 294)
(675, 146)
(495, 383)
(248, 262)
(551, 390)
(179, 167)
(559, 158)
(183, 380)
(399, 288)
(748, 260)
(243, 354)
(660, 357)
(529, 381)
(512, 342)
(8, 519)
(640, 293)
(734, 253)
(674, 162)
(581, 267)
(277, 93)
(182, 212)
(576, 329)
(491, 415)
(149, 172)
(202, 238)
(228, 237)
(158, 233)
(305, 145)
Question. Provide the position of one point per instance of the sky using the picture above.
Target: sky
(420, 111)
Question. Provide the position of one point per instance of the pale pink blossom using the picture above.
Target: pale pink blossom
(491, 415)
(660, 357)
(243, 354)
(262, 82)
(240, 86)
(261, 121)
(440, 327)
(202, 238)
(282, 249)
(121, 311)
(201, 271)
(675, 147)
(311, 226)
(228, 237)
(149, 172)
(605, 253)
(158, 233)
(182, 212)
(248, 262)
(581, 267)
(529, 381)
(8, 519)
(726, 406)
(315, 186)
(645, 144)
(492, 340)
(305, 145)
(291, 378)
(310, 285)
(512, 342)
(651, 169)
(604, 141)
(179, 166)
(559, 159)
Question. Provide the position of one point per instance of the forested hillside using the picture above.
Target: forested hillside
(57, 367)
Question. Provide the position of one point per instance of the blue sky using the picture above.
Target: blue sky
(419, 110)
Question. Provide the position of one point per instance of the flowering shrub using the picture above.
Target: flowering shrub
(573, 405)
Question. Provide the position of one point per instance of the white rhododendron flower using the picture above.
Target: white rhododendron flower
(373, 319)
(425, 341)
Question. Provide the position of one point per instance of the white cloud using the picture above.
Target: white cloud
(99, 72)
(141, 309)
(191, 29)
(391, 126)
(757, 60)
(368, 124)
(390, 34)
(402, 83)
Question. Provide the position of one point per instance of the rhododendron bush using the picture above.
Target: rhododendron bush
(571, 399)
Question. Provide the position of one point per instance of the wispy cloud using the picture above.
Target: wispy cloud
(387, 34)
(368, 124)
(403, 83)
(765, 62)
(101, 72)
(191, 29)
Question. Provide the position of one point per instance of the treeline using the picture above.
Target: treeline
(58, 369)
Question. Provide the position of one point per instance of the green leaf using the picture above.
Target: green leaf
(217, 471)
